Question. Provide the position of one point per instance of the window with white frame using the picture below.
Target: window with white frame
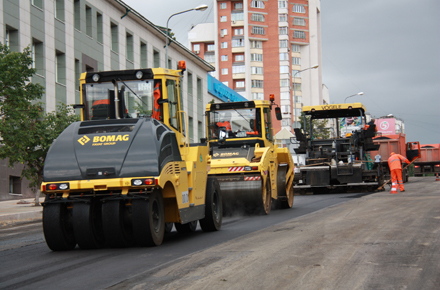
(239, 57)
(299, 34)
(257, 96)
(224, 71)
(299, 21)
(209, 57)
(297, 86)
(296, 48)
(296, 74)
(285, 122)
(223, 32)
(284, 56)
(284, 43)
(285, 96)
(284, 83)
(223, 5)
(257, 17)
(226, 83)
(196, 47)
(238, 5)
(210, 47)
(238, 31)
(223, 18)
(257, 44)
(258, 30)
(237, 16)
(256, 57)
(297, 99)
(282, 17)
(284, 69)
(283, 30)
(224, 45)
(257, 84)
(282, 4)
(256, 70)
(238, 69)
(285, 109)
(237, 42)
(296, 60)
(257, 4)
(299, 8)
(224, 58)
(239, 84)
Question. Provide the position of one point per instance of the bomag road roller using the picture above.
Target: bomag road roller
(336, 144)
(251, 170)
(123, 173)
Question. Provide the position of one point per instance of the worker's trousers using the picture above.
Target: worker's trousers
(396, 179)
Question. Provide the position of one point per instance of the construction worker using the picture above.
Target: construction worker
(225, 123)
(394, 163)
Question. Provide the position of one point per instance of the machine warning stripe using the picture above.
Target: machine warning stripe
(236, 168)
(252, 178)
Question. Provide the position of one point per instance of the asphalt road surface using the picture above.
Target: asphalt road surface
(336, 241)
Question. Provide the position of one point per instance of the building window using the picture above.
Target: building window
(257, 4)
(285, 109)
(284, 56)
(257, 84)
(77, 74)
(37, 3)
(144, 54)
(256, 57)
(129, 46)
(60, 67)
(89, 21)
(258, 30)
(156, 58)
(237, 16)
(223, 18)
(257, 17)
(285, 122)
(256, 44)
(99, 27)
(284, 82)
(238, 31)
(210, 47)
(282, 4)
(299, 21)
(38, 56)
(114, 36)
(284, 43)
(238, 5)
(77, 14)
(226, 83)
(237, 69)
(237, 42)
(223, 32)
(12, 38)
(282, 17)
(296, 74)
(224, 45)
(14, 185)
(256, 70)
(299, 34)
(257, 96)
(296, 48)
(239, 57)
(285, 96)
(209, 57)
(284, 69)
(297, 86)
(239, 84)
(224, 58)
(297, 99)
(296, 60)
(59, 9)
(298, 8)
(224, 71)
(223, 5)
(283, 30)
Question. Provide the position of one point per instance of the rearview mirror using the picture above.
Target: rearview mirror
(278, 113)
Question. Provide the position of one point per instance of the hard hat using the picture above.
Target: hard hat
(392, 153)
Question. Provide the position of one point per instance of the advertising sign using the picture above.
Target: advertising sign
(386, 126)
(349, 124)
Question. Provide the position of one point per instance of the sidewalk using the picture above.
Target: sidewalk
(19, 211)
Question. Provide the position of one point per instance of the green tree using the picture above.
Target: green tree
(320, 129)
(26, 130)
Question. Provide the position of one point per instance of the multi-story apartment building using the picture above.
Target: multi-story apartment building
(69, 37)
(266, 47)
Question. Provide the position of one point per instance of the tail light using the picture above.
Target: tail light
(437, 165)
(416, 166)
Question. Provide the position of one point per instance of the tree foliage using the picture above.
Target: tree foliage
(320, 129)
(26, 130)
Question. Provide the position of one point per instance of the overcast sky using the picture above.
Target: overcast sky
(388, 49)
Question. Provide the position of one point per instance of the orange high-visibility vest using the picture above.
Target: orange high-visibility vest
(156, 107)
(394, 162)
(225, 124)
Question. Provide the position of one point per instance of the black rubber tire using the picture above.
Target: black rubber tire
(116, 224)
(186, 228)
(57, 227)
(286, 200)
(266, 196)
(149, 220)
(284, 204)
(213, 207)
(87, 225)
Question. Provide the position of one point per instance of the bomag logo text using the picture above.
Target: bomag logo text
(83, 140)
(109, 139)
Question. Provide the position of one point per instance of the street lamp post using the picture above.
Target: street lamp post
(360, 94)
(198, 8)
(294, 76)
